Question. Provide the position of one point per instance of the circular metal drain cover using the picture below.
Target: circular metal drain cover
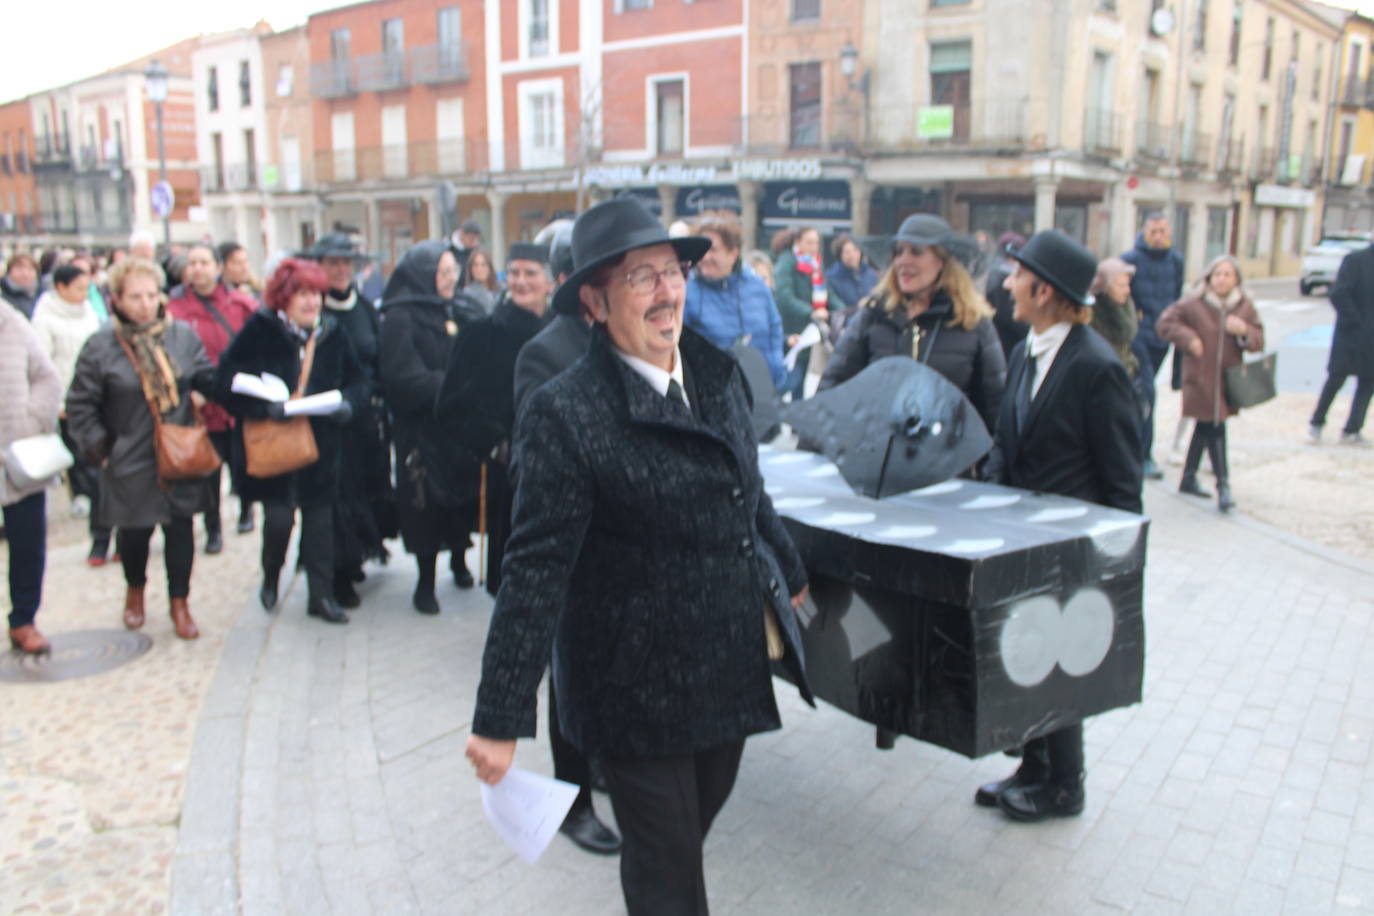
(74, 655)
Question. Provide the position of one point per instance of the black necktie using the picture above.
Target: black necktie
(1024, 392)
(676, 395)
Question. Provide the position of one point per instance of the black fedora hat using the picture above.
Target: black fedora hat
(610, 229)
(927, 229)
(1061, 262)
(333, 245)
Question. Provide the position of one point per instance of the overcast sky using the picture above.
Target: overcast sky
(99, 34)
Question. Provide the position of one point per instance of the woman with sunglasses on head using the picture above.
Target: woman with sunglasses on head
(925, 306)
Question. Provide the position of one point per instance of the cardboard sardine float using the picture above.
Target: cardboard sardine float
(966, 614)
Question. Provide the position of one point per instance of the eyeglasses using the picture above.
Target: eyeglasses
(644, 278)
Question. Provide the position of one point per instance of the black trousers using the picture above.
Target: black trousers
(84, 480)
(1364, 390)
(178, 550)
(665, 806)
(1056, 758)
(26, 531)
(317, 544)
(569, 763)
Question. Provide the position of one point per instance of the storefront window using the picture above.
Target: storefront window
(997, 217)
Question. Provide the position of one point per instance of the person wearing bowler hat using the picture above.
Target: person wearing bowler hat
(1069, 425)
(927, 307)
(646, 554)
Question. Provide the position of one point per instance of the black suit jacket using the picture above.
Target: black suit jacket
(1081, 435)
(552, 350)
(644, 549)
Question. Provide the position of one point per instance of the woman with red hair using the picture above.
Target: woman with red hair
(289, 335)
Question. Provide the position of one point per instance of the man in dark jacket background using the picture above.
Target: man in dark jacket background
(1157, 284)
(1352, 345)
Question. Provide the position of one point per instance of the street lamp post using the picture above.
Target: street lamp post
(156, 75)
(849, 65)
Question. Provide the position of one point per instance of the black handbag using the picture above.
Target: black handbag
(1252, 382)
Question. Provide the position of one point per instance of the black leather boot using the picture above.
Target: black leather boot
(1220, 463)
(1188, 483)
(268, 593)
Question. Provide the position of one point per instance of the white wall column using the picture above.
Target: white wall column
(1046, 190)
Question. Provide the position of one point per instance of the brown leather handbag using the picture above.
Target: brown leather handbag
(183, 452)
(275, 447)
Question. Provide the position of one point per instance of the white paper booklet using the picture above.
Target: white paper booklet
(266, 387)
(527, 809)
(314, 405)
(808, 338)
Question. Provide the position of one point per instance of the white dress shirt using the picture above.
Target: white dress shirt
(656, 377)
(1044, 347)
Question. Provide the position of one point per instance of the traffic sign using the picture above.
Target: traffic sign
(164, 199)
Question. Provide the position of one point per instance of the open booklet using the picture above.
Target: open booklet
(527, 809)
(268, 387)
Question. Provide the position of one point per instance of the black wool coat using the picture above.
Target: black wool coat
(972, 359)
(266, 344)
(644, 549)
(1081, 435)
(548, 353)
(1352, 296)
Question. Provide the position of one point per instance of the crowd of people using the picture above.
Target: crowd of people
(628, 536)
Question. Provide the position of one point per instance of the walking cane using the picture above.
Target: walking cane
(482, 528)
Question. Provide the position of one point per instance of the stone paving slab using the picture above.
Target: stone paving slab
(1244, 783)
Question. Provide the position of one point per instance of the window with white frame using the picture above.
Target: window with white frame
(669, 117)
(541, 124)
(537, 30)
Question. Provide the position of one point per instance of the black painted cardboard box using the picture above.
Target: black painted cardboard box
(969, 615)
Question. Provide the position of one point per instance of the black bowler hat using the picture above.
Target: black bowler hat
(610, 229)
(333, 245)
(528, 251)
(1061, 262)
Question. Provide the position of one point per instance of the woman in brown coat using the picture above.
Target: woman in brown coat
(1210, 327)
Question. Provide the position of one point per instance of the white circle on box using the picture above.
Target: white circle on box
(1028, 640)
(1087, 627)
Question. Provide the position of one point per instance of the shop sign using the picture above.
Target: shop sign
(806, 202)
(646, 196)
(1276, 195)
(695, 201)
(611, 176)
(935, 122)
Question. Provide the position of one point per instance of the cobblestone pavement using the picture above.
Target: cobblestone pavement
(279, 765)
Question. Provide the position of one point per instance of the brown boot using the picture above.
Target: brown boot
(28, 639)
(181, 619)
(133, 607)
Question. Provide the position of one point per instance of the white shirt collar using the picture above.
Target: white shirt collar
(656, 377)
(1043, 347)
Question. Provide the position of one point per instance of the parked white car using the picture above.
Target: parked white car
(1320, 263)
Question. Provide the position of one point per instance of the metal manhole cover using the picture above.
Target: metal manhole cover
(74, 655)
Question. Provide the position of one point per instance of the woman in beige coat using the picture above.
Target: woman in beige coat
(1211, 326)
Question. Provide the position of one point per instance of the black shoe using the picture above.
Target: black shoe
(461, 577)
(214, 541)
(357, 575)
(1190, 486)
(245, 523)
(345, 594)
(1151, 470)
(885, 739)
(987, 795)
(268, 593)
(425, 602)
(1041, 801)
(327, 610)
(583, 828)
(1225, 501)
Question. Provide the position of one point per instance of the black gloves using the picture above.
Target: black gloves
(276, 410)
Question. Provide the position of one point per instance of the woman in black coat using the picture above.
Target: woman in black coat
(926, 307)
(436, 478)
(277, 340)
(1352, 346)
(365, 512)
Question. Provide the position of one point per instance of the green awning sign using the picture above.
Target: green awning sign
(935, 122)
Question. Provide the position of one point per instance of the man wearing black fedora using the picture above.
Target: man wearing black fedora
(1069, 425)
(646, 553)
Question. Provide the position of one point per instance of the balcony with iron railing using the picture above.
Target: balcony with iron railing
(1194, 149)
(93, 158)
(52, 149)
(425, 65)
(1102, 132)
(430, 158)
(234, 176)
(1266, 163)
(1231, 157)
(1152, 140)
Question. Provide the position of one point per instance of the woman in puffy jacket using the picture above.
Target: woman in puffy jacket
(926, 307)
(726, 303)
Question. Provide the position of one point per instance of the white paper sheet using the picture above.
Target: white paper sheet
(314, 405)
(808, 338)
(266, 387)
(527, 809)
